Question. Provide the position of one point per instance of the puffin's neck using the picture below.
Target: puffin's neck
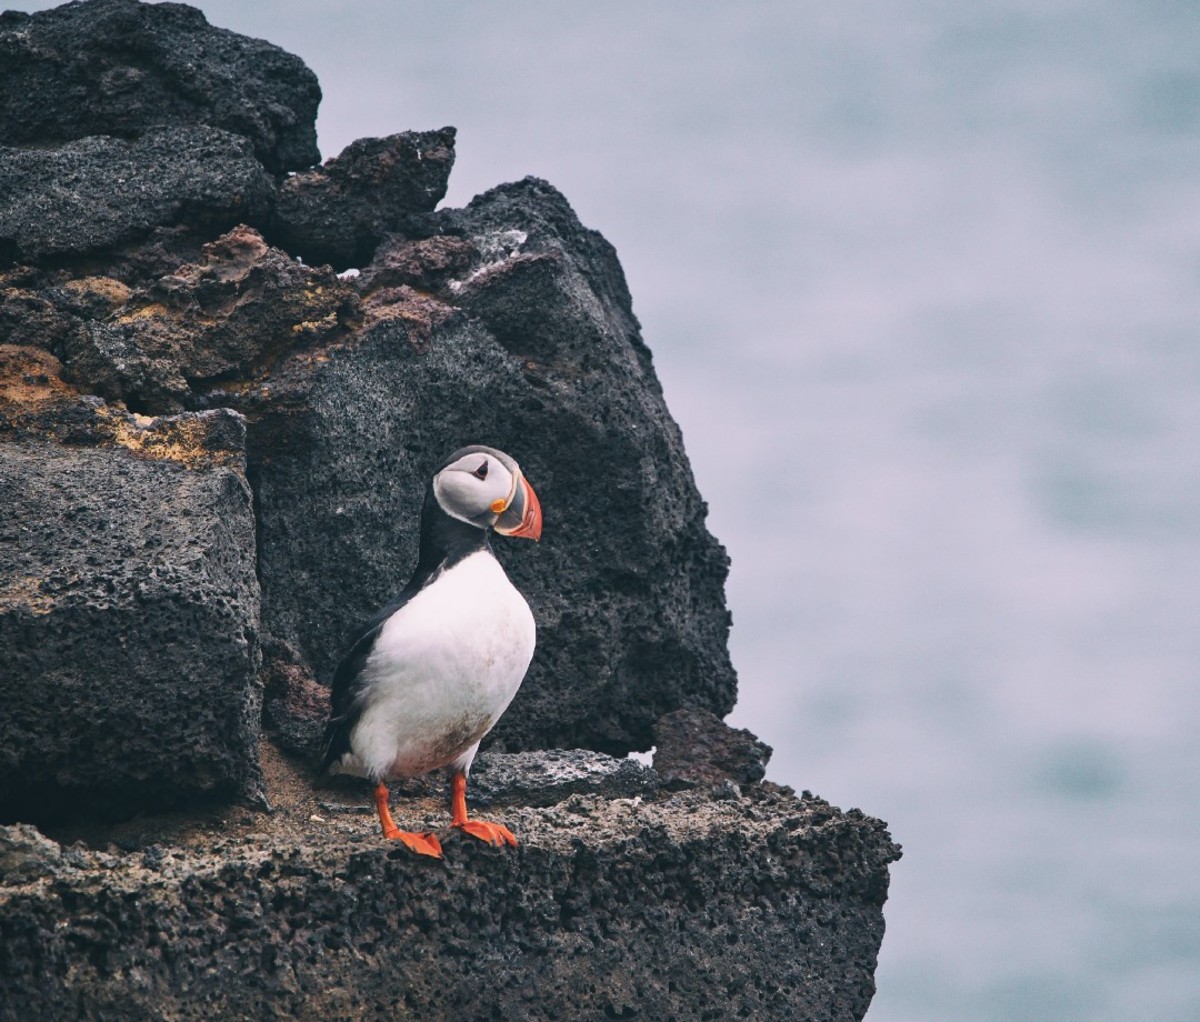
(445, 540)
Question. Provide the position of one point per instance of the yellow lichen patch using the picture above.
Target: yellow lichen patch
(112, 292)
(316, 326)
(182, 438)
(25, 592)
(317, 356)
(152, 311)
(30, 378)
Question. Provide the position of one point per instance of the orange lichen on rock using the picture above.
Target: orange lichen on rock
(154, 309)
(30, 378)
(36, 402)
(102, 289)
(193, 439)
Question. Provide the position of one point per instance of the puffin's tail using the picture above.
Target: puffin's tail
(336, 744)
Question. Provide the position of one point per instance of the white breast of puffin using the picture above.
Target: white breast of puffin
(444, 668)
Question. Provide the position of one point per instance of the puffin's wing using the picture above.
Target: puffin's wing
(348, 685)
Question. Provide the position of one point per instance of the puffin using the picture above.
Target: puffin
(430, 674)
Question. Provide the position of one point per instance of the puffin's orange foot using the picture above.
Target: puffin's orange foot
(493, 833)
(422, 844)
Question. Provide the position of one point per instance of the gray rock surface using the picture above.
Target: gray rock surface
(123, 68)
(550, 776)
(762, 907)
(85, 197)
(129, 624)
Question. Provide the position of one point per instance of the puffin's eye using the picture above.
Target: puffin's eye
(481, 472)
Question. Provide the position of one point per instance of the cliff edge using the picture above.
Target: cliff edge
(622, 901)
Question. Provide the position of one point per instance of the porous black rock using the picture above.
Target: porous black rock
(295, 704)
(124, 68)
(765, 908)
(419, 262)
(170, 344)
(339, 212)
(84, 198)
(534, 349)
(695, 747)
(129, 623)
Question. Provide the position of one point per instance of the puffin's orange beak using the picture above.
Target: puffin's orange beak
(523, 516)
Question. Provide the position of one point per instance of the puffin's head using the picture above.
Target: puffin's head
(485, 487)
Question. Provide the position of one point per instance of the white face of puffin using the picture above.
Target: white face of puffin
(485, 487)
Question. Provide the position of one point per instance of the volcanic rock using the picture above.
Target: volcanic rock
(128, 617)
(86, 197)
(533, 349)
(764, 907)
(238, 307)
(507, 323)
(548, 777)
(339, 212)
(125, 69)
(696, 747)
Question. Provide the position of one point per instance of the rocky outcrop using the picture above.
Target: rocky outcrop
(124, 68)
(128, 620)
(760, 907)
(222, 390)
(507, 323)
(339, 213)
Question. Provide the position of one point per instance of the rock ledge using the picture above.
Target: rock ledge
(676, 906)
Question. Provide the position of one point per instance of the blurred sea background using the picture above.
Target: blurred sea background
(922, 283)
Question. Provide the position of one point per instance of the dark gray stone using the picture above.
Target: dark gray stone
(763, 908)
(549, 776)
(696, 747)
(339, 212)
(123, 68)
(295, 704)
(129, 624)
(533, 350)
(86, 197)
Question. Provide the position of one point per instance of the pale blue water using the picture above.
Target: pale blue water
(922, 281)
